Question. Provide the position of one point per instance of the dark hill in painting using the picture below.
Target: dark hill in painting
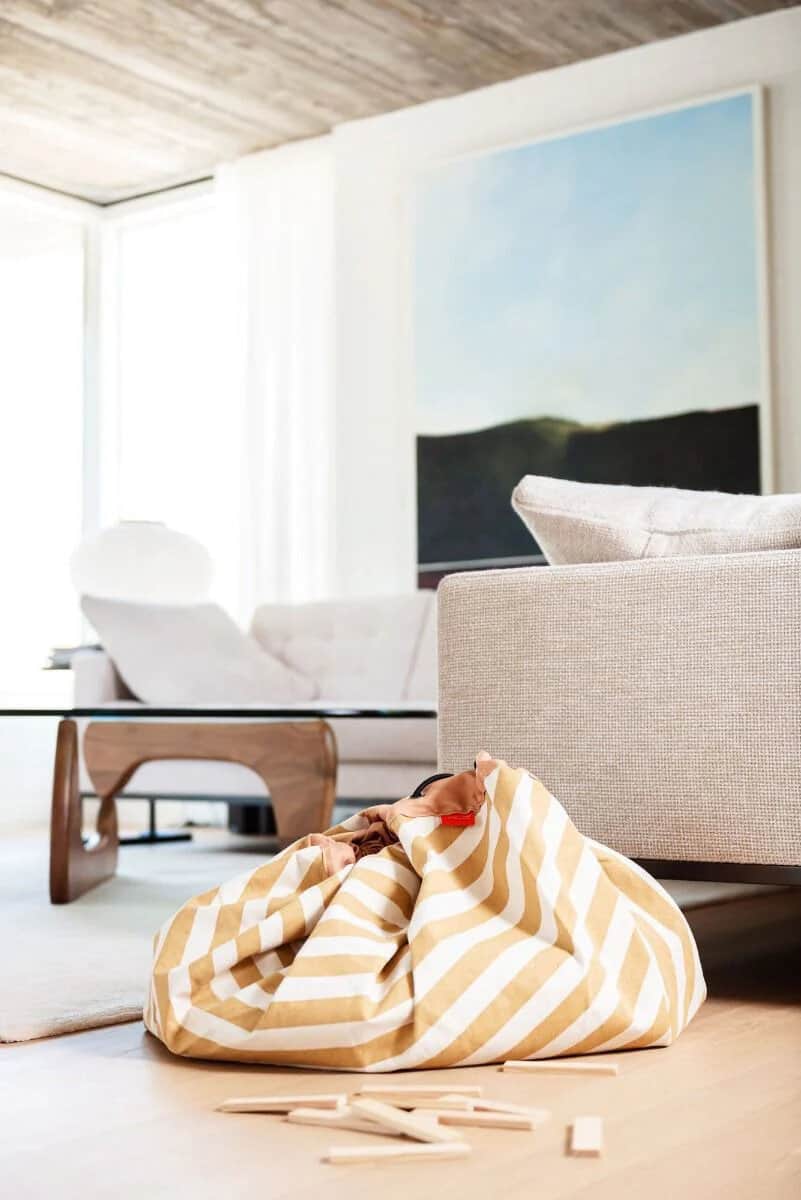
(465, 480)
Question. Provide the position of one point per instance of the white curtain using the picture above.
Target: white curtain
(278, 212)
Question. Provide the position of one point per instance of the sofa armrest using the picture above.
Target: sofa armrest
(659, 700)
(95, 679)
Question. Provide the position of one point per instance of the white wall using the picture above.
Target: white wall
(376, 162)
(27, 749)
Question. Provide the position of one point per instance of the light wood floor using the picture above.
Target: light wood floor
(111, 1114)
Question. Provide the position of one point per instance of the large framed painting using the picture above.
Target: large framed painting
(589, 306)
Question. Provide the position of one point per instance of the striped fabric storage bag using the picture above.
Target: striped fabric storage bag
(468, 925)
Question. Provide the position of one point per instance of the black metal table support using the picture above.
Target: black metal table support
(153, 835)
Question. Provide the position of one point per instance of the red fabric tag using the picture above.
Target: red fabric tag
(458, 819)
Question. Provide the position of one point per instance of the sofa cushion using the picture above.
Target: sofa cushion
(355, 651)
(593, 522)
(191, 654)
(421, 686)
(382, 739)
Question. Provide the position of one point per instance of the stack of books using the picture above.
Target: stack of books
(60, 657)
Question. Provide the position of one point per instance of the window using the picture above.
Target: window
(41, 442)
(158, 435)
(177, 423)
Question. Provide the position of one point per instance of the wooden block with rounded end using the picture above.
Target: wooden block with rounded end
(281, 1104)
(401, 1153)
(586, 1137)
(337, 1118)
(561, 1066)
(398, 1120)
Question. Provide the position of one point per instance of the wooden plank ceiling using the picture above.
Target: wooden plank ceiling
(107, 99)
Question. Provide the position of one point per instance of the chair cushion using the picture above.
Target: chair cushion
(191, 654)
(592, 522)
(359, 651)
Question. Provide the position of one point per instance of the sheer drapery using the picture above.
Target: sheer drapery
(277, 213)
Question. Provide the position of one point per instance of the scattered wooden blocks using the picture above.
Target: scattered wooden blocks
(400, 1153)
(562, 1066)
(586, 1137)
(281, 1104)
(397, 1120)
(435, 1113)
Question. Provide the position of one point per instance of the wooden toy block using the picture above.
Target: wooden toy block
(380, 1091)
(444, 1103)
(339, 1118)
(399, 1121)
(403, 1152)
(281, 1104)
(586, 1137)
(481, 1120)
(538, 1115)
(562, 1066)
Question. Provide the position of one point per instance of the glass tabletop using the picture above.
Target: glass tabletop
(266, 712)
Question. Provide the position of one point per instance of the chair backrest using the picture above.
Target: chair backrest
(190, 654)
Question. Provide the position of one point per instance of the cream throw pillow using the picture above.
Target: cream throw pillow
(597, 522)
(191, 654)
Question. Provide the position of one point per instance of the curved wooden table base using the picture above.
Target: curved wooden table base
(297, 760)
(74, 867)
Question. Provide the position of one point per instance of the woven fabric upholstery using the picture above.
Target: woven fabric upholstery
(660, 700)
(597, 522)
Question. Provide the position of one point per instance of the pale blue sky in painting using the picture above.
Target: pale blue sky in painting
(607, 275)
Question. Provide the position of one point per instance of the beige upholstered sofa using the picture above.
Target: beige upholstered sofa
(370, 652)
(660, 700)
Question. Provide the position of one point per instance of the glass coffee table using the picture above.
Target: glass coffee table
(291, 747)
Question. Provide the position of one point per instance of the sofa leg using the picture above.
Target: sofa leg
(75, 868)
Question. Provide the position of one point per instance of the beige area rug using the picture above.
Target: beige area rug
(85, 964)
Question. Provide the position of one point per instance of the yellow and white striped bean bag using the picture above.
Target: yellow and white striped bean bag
(511, 937)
